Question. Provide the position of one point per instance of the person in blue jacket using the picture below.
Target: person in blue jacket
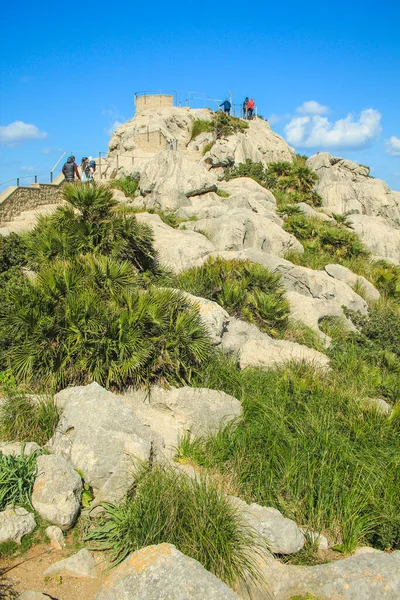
(227, 106)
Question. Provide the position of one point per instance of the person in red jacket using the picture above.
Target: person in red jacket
(250, 108)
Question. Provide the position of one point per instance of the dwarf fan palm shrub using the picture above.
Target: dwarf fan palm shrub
(245, 290)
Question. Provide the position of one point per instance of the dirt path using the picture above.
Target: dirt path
(26, 573)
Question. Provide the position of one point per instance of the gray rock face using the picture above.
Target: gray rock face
(14, 448)
(80, 564)
(15, 523)
(257, 349)
(308, 211)
(380, 237)
(248, 194)
(163, 572)
(214, 317)
(101, 436)
(258, 142)
(242, 229)
(178, 249)
(281, 534)
(57, 490)
(372, 576)
(344, 274)
(56, 537)
(170, 178)
(173, 413)
(346, 188)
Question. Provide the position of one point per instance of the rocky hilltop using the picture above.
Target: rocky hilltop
(219, 319)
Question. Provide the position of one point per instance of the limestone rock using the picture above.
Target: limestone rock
(316, 538)
(258, 143)
(175, 412)
(281, 534)
(242, 229)
(120, 197)
(308, 211)
(102, 437)
(214, 317)
(80, 564)
(55, 536)
(33, 595)
(178, 249)
(344, 274)
(206, 206)
(257, 349)
(159, 572)
(379, 237)
(57, 490)
(15, 523)
(346, 188)
(378, 404)
(246, 193)
(14, 448)
(170, 178)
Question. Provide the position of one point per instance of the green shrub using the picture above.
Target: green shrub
(167, 507)
(17, 476)
(244, 289)
(89, 319)
(222, 193)
(307, 446)
(12, 251)
(128, 185)
(223, 125)
(25, 418)
(200, 126)
(325, 237)
(207, 148)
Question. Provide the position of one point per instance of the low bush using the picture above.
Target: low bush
(167, 507)
(223, 125)
(128, 185)
(17, 476)
(244, 289)
(27, 418)
(90, 319)
(12, 251)
(200, 126)
(207, 147)
(307, 446)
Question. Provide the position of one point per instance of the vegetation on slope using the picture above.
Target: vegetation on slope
(166, 506)
(221, 125)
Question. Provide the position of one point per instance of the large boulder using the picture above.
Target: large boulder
(244, 192)
(214, 317)
(257, 349)
(257, 143)
(241, 229)
(178, 249)
(281, 535)
(173, 413)
(159, 572)
(100, 435)
(381, 239)
(346, 187)
(57, 491)
(369, 576)
(170, 178)
(344, 274)
(15, 523)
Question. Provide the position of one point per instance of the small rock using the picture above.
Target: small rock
(378, 404)
(162, 571)
(14, 448)
(15, 523)
(32, 595)
(365, 550)
(281, 534)
(80, 564)
(56, 537)
(57, 490)
(314, 536)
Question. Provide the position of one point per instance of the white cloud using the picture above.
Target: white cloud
(113, 127)
(392, 146)
(18, 132)
(313, 131)
(311, 107)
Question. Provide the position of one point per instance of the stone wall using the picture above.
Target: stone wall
(151, 141)
(14, 200)
(153, 101)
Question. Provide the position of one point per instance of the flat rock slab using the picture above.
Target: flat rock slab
(14, 448)
(15, 523)
(80, 564)
(32, 595)
(163, 572)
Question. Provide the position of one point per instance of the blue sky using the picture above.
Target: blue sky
(327, 75)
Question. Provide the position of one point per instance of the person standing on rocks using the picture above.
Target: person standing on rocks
(70, 170)
(250, 108)
(227, 106)
(246, 100)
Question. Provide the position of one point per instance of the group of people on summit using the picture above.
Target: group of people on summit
(247, 106)
(70, 169)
